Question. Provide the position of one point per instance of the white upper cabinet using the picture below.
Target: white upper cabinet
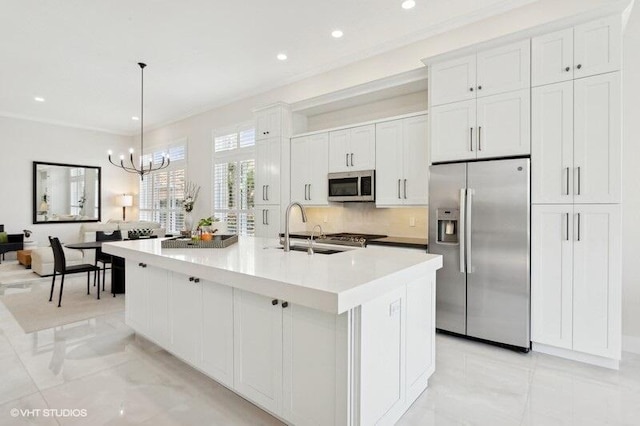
(586, 50)
(504, 69)
(503, 123)
(309, 168)
(552, 58)
(352, 149)
(267, 180)
(552, 144)
(402, 162)
(453, 131)
(597, 139)
(268, 123)
(453, 81)
(576, 146)
(597, 47)
(490, 72)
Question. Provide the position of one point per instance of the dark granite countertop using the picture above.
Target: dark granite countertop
(407, 242)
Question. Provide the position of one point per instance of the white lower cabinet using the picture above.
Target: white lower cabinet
(146, 301)
(258, 349)
(576, 278)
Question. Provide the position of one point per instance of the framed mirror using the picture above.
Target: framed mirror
(64, 193)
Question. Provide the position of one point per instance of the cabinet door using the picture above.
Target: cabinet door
(389, 173)
(318, 168)
(552, 58)
(504, 124)
(339, 151)
(453, 81)
(185, 317)
(597, 47)
(362, 148)
(552, 143)
(267, 221)
(216, 356)
(268, 123)
(597, 280)
(597, 140)
(309, 360)
(272, 171)
(504, 69)
(136, 298)
(158, 303)
(415, 161)
(552, 275)
(262, 178)
(258, 349)
(420, 333)
(300, 159)
(453, 132)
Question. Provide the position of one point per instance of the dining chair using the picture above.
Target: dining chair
(60, 268)
(103, 257)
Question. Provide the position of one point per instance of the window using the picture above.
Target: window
(233, 178)
(162, 192)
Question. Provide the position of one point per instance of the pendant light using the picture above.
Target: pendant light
(140, 168)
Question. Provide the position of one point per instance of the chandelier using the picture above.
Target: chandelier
(140, 168)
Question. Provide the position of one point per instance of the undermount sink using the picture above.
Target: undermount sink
(317, 250)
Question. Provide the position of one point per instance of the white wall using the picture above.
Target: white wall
(631, 185)
(25, 141)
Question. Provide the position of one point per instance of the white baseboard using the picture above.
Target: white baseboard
(631, 344)
(614, 364)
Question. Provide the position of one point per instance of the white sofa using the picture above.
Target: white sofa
(42, 257)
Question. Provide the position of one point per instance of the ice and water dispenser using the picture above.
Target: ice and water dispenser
(448, 220)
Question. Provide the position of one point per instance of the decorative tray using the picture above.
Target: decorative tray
(218, 241)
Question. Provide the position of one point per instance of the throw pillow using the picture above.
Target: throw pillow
(4, 238)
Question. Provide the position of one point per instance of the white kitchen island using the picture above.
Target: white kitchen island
(341, 339)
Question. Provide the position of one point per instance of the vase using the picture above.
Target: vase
(188, 222)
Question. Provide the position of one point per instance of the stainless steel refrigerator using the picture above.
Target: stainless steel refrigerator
(479, 221)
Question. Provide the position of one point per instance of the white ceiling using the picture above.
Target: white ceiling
(81, 56)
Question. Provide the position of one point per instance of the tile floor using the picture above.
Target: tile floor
(100, 366)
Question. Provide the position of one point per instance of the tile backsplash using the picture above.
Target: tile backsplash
(366, 218)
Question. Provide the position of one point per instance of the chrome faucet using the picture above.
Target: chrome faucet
(310, 249)
(287, 244)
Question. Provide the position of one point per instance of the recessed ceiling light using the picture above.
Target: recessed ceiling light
(38, 99)
(134, 118)
(408, 4)
(337, 33)
(282, 56)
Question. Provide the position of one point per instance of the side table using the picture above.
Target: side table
(24, 258)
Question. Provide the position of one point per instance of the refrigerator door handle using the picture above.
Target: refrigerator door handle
(468, 230)
(462, 237)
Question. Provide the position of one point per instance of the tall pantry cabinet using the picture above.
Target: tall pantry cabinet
(576, 178)
(271, 190)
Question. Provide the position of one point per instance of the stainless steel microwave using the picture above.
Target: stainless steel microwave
(352, 186)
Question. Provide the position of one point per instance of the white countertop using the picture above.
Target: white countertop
(333, 283)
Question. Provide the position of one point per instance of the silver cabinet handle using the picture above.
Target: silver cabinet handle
(468, 230)
(578, 181)
(567, 227)
(352, 159)
(266, 215)
(263, 196)
(267, 187)
(309, 192)
(305, 191)
(263, 221)
(480, 138)
(567, 192)
(578, 235)
(461, 231)
(398, 188)
(346, 159)
(471, 139)
(405, 189)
